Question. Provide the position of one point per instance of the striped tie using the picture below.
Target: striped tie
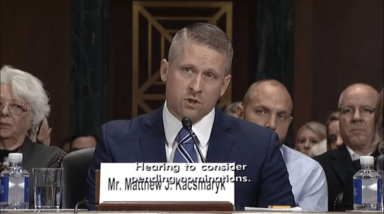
(185, 151)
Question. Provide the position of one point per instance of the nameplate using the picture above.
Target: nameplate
(167, 182)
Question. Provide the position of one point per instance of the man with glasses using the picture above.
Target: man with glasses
(357, 129)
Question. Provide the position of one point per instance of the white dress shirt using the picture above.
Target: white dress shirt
(353, 154)
(308, 181)
(172, 126)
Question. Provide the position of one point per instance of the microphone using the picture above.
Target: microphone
(187, 124)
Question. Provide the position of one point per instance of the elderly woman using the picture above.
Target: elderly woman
(309, 135)
(347, 203)
(333, 132)
(232, 109)
(23, 105)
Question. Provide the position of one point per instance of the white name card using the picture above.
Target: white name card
(167, 182)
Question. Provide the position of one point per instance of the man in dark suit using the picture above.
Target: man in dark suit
(357, 129)
(196, 76)
(378, 154)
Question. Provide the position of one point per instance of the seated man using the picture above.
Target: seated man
(378, 153)
(196, 76)
(268, 103)
(357, 129)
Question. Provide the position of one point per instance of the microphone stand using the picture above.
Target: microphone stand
(187, 124)
(197, 145)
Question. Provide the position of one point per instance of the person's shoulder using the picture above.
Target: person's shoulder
(136, 121)
(325, 156)
(133, 125)
(246, 128)
(297, 156)
(47, 150)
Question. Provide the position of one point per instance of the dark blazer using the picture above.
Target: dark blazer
(335, 164)
(142, 139)
(38, 156)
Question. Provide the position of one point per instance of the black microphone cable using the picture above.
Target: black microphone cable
(187, 124)
(81, 203)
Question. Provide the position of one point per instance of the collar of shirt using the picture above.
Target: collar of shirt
(355, 156)
(202, 128)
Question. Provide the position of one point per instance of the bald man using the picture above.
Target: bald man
(357, 129)
(268, 103)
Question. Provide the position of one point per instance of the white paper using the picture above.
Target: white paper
(117, 182)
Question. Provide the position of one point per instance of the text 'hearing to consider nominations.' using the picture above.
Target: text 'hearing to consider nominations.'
(161, 181)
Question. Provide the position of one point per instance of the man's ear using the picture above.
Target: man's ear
(227, 80)
(240, 111)
(164, 70)
(290, 120)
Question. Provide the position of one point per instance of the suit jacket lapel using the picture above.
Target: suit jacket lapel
(341, 160)
(220, 141)
(152, 141)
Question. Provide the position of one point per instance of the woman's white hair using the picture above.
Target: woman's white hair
(29, 89)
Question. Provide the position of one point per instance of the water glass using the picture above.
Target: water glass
(48, 184)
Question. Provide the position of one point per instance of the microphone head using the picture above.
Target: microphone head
(187, 124)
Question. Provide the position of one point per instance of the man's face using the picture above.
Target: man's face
(268, 106)
(357, 128)
(195, 80)
(83, 143)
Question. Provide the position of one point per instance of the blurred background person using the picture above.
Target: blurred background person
(309, 135)
(66, 145)
(379, 114)
(79, 141)
(23, 105)
(43, 133)
(232, 109)
(334, 139)
(319, 148)
(83, 141)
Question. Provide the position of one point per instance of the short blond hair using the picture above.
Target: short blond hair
(204, 34)
(318, 128)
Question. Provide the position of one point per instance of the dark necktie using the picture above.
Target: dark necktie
(185, 151)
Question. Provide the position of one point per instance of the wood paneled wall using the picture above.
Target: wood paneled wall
(35, 37)
(336, 43)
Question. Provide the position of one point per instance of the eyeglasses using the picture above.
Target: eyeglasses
(349, 111)
(15, 109)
